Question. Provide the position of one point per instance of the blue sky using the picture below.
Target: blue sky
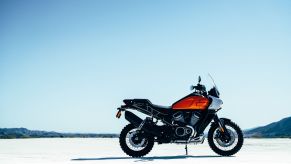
(67, 65)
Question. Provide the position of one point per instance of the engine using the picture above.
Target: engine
(185, 122)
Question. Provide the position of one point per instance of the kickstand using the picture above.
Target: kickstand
(186, 149)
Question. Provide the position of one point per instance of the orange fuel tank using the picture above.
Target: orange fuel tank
(191, 103)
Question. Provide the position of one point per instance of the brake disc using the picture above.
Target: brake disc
(230, 142)
(133, 136)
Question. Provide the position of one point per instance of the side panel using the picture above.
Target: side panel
(215, 103)
(191, 103)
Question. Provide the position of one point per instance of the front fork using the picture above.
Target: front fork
(224, 134)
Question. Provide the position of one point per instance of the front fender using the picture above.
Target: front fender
(223, 120)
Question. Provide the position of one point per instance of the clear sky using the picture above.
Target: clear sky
(67, 65)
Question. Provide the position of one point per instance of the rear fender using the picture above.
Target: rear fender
(133, 119)
(147, 125)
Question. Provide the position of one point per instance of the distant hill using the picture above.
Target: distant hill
(9, 133)
(278, 129)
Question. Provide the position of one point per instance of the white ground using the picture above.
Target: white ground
(87, 151)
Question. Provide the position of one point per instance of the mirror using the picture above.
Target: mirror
(192, 87)
(199, 79)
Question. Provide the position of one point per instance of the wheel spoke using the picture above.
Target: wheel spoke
(226, 146)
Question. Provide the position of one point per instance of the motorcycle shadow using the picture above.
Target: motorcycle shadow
(142, 159)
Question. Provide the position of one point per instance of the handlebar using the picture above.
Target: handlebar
(201, 89)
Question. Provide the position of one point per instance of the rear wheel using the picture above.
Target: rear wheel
(134, 142)
(222, 145)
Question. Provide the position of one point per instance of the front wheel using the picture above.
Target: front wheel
(222, 146)
(134, 142)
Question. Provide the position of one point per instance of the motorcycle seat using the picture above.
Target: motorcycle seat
(163, 109)
(160, 108)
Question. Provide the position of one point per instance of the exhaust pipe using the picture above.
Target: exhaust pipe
(146, 125)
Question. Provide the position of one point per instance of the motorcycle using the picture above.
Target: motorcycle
(183, 123)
